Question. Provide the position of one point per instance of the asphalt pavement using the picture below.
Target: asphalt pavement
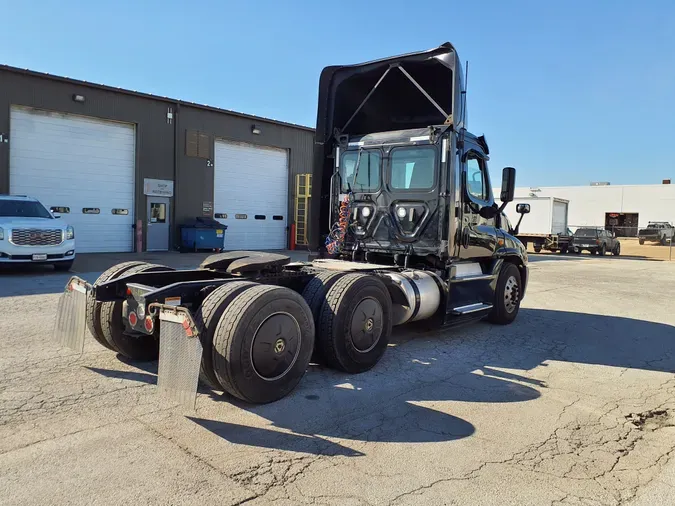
(572, 404)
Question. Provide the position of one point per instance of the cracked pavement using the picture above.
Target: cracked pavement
(573, 404)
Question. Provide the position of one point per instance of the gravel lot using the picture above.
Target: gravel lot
(572, 404)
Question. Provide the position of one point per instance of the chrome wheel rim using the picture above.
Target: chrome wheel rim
(511, 294)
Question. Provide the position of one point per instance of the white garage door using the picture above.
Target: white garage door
(83, 164)
(251, 189)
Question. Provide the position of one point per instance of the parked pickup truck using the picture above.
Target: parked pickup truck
(657, 231)
(595, 241)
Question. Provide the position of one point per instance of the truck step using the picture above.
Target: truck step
(472, 308)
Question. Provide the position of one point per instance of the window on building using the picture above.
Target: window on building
(157, 212)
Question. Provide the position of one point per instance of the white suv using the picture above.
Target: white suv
(29, 233)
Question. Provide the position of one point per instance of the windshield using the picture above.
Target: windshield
(368, 177)
(413, 168)
(23, 209)
(586, 232)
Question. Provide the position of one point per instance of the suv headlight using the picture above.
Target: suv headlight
(2, 234)
(70, 233)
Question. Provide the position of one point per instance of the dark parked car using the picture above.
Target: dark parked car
(595, 241)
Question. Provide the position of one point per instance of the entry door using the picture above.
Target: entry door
(479, 235)
(158, 224)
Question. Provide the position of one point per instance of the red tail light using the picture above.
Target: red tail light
(133, 319)
(148, 324)
(128, 292)
(597, 242)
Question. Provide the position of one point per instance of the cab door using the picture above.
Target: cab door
(478, 237)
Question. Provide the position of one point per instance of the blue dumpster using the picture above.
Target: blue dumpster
(201, 234)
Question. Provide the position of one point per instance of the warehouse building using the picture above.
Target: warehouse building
(126, 169)
(621, 208)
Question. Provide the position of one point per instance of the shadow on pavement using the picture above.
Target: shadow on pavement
(406, 397)
(264, 438)
(142, 377)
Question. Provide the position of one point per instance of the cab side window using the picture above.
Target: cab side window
(476, 179)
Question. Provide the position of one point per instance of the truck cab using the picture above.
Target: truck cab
(401, 181)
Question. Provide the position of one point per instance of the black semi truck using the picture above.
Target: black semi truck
(404, 229)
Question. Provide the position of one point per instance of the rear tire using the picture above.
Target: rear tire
(137, 347)
(617, 250)
(507, 296)
(206, 318)
(263, 343)
(537, 249)
(93, 315)
(315, 295)
(664, 241)
(603, 250)
(355, 323)
(641, 241)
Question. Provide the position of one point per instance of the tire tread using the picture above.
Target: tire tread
(108, 310)
(93, 308)
(206, 319)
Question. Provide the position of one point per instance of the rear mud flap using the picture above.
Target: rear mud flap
(180, 354)
(70, 325)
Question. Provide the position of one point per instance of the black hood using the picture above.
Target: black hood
(388, 95)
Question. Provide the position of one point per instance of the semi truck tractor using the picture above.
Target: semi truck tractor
(404, 228)
(546, 226)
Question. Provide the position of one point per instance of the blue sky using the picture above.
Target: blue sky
(567, 92)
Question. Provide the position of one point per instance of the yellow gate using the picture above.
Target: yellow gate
(303, 192)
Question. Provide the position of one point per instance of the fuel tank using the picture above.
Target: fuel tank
(415, 294)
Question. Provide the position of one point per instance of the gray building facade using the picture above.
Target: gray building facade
(173, 141)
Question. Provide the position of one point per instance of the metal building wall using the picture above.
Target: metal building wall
(588, 204)
(154, 137)
(157, 155)
(194, 184)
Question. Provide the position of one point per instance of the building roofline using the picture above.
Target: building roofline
(641, 185)
(44, 75)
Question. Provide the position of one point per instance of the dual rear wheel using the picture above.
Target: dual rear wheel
(258, 339)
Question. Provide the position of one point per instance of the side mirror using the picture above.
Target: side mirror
(523, 208)
(508, 184)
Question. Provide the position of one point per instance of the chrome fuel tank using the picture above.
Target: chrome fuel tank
(415, 295)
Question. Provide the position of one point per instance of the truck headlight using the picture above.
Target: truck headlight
(70, 233)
